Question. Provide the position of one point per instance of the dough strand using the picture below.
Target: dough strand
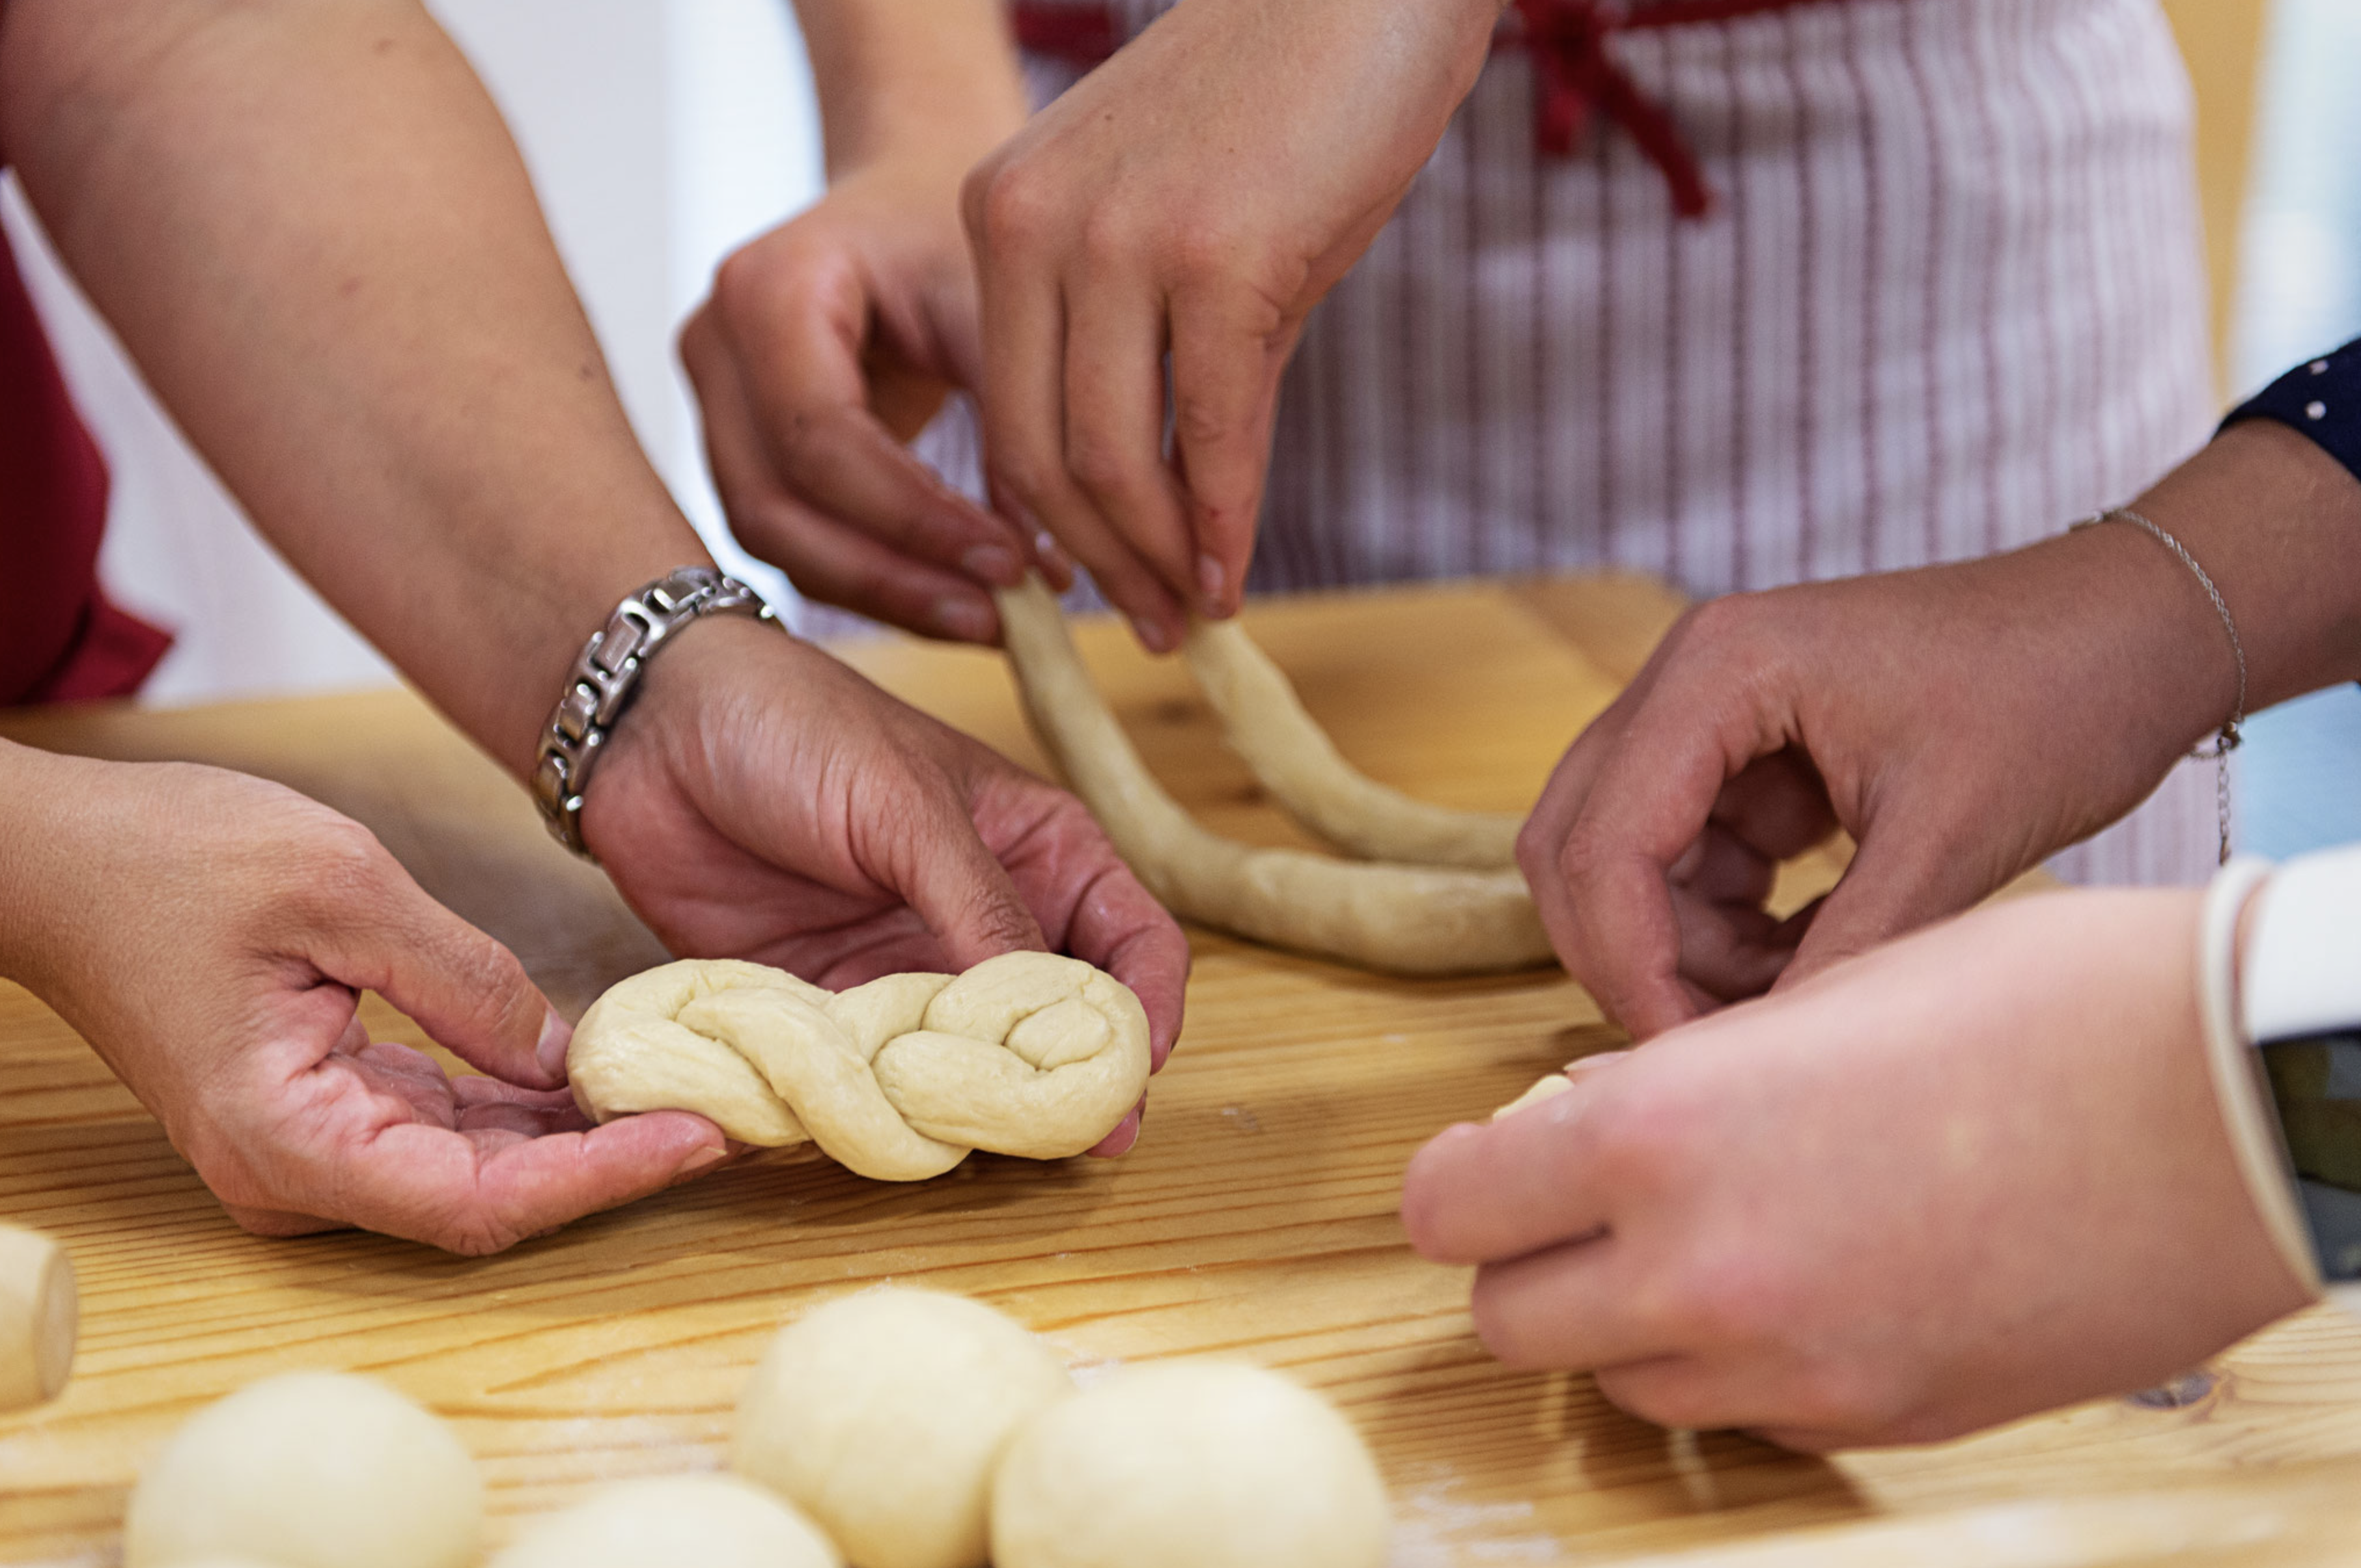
(1029, 1054)
(1402, 919)
(1292, 757)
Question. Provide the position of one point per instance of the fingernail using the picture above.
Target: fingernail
(700, 1162)
(556, 1034)
(993, 564)
(1053, 557)
(1151, 636)
(957, 615)
(1211, 578)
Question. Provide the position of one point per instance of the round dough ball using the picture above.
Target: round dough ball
(675, 1521)
(882, 1415)
(1191, 1465)
(309, 1470)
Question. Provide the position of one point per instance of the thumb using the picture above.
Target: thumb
(468, 991)
(1906, 873)
(958, 888)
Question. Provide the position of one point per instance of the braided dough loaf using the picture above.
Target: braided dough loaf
(1404, 919)
(1028, 1054)
(1264, 722)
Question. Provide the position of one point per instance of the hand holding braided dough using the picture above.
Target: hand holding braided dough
(1028, 1054)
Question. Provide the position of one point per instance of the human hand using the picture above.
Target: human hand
(1961, 722)
(1973, 1175)
(1187, 203)
(209, 933)
(761, 801)
(827, 345)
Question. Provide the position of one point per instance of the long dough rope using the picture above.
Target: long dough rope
(1294, 758)
(1028, 1054)
(1399, 918)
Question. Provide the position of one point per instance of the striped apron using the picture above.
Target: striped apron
(1944, 295)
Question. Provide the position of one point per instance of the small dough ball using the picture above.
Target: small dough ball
(1548, 1088)
(39, 1309)
(1190, 1465)
(882, 1415)
(309, 1470)
(675, 1521)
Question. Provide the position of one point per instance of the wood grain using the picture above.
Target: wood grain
(1255, 1218)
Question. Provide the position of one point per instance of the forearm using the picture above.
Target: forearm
(927, 78)
(2276, 523)
(310, 227)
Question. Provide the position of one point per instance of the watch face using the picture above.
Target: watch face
(2316, 1085)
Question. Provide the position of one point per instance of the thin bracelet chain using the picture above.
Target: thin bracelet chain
(2227, 739)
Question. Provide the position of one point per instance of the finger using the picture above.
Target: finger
(1125, 1134)
(480, 1195)
(1115, 431)
(1729, 951)
(1723, 868)
(803, 380)
(1651, 800)
(378, 930)
(1228, 350)
(1023, 432)
(1542, 838)
(836, 565)
(1905, 874)
(1568, 1306)
(1778, 804)
(1479, 1194)
(940, 867)
(826, 560)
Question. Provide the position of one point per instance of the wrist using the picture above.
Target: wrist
(2276, 521)
(2157, 670)
(608, 676)
(926, 79)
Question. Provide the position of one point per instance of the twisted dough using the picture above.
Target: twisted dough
(1402, 919)
(1025, 1054)
(1266, 723)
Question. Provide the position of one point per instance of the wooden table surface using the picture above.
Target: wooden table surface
(1255, 1218)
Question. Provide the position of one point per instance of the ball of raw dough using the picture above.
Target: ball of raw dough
(882, 1415)
(309, 1470)
(1190, 1465)
(675, 1521)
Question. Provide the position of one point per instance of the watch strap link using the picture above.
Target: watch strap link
(606, 676)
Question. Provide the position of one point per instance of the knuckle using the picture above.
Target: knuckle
(1101, 467)
(1499, 1327)
(745, 282)
(1007, 205)
(1587, 851)
(1021, 474)
(1198, 421)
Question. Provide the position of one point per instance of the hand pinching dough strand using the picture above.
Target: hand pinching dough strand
(1402, 919)
(1292, 757)
(1029, 1054)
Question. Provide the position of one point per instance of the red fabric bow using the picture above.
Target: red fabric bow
(1573, 69)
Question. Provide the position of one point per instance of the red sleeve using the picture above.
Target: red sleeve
(59, 639)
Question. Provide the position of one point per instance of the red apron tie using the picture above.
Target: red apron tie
(1574, 70)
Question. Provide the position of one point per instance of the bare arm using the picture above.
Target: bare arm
(310, 227)
(893, 76)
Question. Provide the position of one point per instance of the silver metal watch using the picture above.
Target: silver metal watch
(606, 676)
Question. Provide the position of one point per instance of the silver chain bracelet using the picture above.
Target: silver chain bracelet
(605, 677)
(2227, 739)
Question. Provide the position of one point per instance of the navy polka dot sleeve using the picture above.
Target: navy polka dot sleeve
(2322, 399)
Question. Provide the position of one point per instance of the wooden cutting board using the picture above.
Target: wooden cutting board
(1255, 1220)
